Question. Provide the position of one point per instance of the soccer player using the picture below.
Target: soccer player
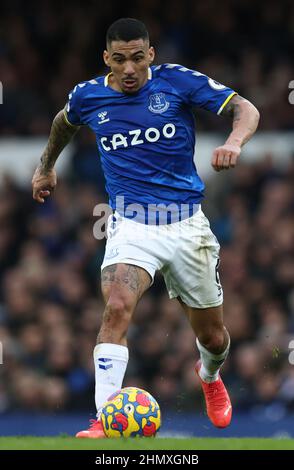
(142, 117)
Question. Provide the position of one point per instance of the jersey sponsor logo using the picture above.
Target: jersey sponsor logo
(103, 117)
(216, 85)
(137, 137)
(158, 103)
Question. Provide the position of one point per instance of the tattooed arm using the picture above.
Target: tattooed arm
(44, 179)
(245, 121)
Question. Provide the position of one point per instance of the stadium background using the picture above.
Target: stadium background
(50, 308)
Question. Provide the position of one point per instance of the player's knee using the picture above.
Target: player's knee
(214, 341)
(116, 319)
(118, 311)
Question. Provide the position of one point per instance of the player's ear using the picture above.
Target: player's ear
(106, 58)
(151, 54)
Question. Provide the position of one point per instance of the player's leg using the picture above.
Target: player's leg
(213, 342)
(193, 278)
(122, 286)
(213, 339)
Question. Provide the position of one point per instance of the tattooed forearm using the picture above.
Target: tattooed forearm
(245, 120)
(60, 135)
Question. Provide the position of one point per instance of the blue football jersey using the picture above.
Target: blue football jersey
(146, 140)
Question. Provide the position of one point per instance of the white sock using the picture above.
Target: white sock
(110, 366)
(211, 363)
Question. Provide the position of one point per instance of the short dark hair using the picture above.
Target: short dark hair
(126, 29)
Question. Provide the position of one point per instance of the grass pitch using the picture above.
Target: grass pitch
(70, 443)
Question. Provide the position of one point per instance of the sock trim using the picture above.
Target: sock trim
(115, 351)
(213, 356)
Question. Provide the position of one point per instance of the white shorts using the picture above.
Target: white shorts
(186, 253)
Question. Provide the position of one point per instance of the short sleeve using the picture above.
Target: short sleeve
(198, 89)
(73, 107)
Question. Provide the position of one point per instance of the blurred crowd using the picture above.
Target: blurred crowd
(47, 47)
(51, 303)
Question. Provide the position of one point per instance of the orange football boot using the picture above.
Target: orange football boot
(218, 403)
(95, 430)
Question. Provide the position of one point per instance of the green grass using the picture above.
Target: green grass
(69, 443)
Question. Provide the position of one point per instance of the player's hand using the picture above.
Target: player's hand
(225, 157)
(43, 185)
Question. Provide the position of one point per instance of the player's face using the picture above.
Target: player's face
(129, 63)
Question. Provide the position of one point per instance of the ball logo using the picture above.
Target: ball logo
(158, 103)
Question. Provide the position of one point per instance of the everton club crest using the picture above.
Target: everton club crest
(158, 103)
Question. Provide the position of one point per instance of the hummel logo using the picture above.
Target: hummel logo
(105, 363)
(103, 117)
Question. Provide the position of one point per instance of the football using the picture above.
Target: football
(131, 412)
